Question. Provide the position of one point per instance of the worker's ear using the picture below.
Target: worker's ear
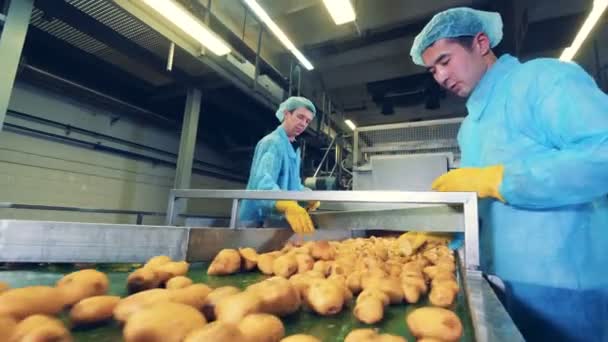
(481, 42)
(286, 112)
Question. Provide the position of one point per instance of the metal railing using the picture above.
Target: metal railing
(468, 200)
(138, 213)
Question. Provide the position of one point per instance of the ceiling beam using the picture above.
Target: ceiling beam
(84, 23)
(552, 34)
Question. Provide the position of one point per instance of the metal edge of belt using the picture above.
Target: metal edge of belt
(490, 319)
(53, 241)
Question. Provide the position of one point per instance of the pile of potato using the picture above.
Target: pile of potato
(325, 277)
(378, 271)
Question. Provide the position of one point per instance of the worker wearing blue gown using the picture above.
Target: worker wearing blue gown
(276, 166)
(535, 148)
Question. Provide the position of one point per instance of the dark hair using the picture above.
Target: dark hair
(464, 41)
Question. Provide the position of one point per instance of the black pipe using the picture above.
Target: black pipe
(94, 134)
(112, 150)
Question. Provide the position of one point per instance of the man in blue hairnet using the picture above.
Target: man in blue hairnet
(535, 148)
(276, 166)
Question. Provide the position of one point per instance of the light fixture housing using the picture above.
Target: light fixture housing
(272, 26)
(599, 6)
(350, 124)
(341, 11)
(189, 24)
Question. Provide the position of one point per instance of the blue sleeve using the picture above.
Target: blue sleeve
(568, 113)
(265, 172)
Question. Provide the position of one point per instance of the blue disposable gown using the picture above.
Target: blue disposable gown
(275, 166)
(547, 123)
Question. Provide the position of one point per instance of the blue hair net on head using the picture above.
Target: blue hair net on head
(457, 22)
(293, 103)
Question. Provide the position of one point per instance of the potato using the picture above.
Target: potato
(279, 297)
(216, 332)
(341, 282)
(305, 262)
(361, 335)
(416, 281)
(411, 293)
(300, 338)
(7, 326)
(157, 261)
(390, 286)
(3, 286)
(234, 308)
(325, 297)
(322, 267)
(300, 282)
(136, 302)
(353, 282)
(374, 293)
(214, 297)
(249, 258)
(142, 279)
(428, 339)
(439, 323)
(227, 261)
(284, 266)
(171, 269)
(41, 328)
(322, 250)
(93, 310)
(178, 282)
(193, 295)
(369, 310)
(26, 301)
(265, 263)
(442, 296)
(444, 275)
(163, 322)
(83, 284)
(450, 283)
(431, 271)
(262, 328)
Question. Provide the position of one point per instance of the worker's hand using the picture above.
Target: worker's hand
(298, 217)
(313, 205)
(411, 241)
(483, 180)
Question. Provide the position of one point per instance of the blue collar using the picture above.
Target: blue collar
(281, 131)
(482, 94)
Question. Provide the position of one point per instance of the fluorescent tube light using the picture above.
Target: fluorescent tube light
(261, 13)
(189, 24)
(599, 6)
(341, 11)
(350, 124)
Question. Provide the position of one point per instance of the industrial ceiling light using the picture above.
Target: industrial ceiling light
(341, 11)
(599, 6)
(189, 24)
(263, 16)
(350, 124)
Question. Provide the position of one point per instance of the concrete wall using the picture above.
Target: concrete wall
(39, 170)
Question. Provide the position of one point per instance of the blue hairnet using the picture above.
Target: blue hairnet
(293, 103)
(457, 22)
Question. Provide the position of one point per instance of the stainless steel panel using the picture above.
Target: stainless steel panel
(48, 241)
(434, 218)
(336, 196)
(205, 243)
(491, 321)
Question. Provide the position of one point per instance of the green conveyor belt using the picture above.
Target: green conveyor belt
(328, 329)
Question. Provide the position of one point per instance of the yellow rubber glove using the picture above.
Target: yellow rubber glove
(313, 205)
(411, 241)
(483, 180)
(298, 217)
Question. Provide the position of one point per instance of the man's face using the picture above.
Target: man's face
(296, 121)
(455, 67)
